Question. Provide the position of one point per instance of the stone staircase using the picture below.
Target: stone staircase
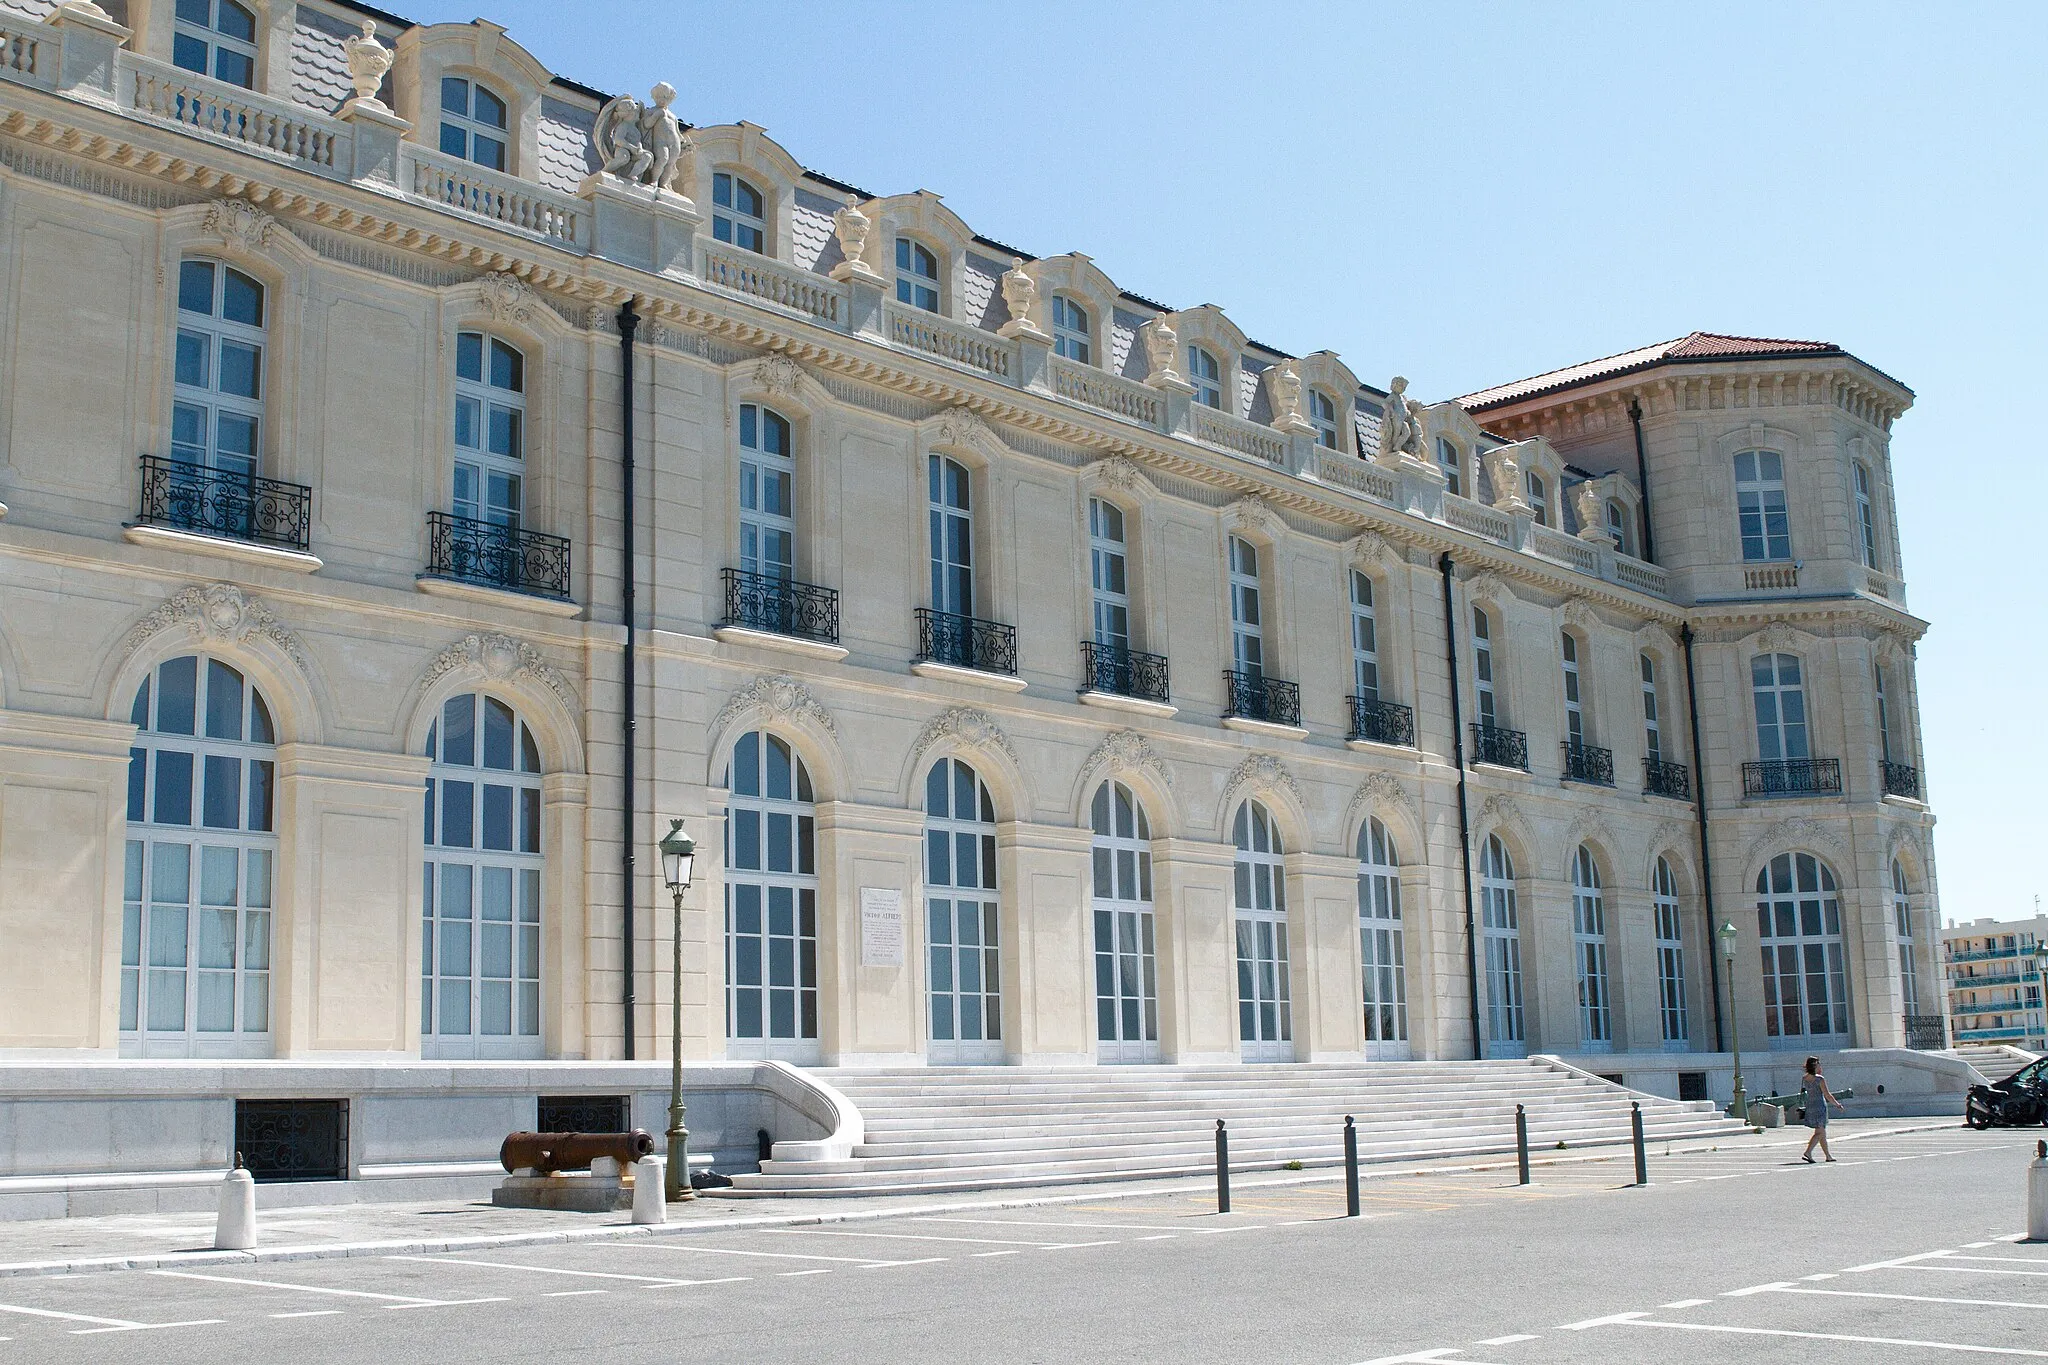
(933, 1129)
(1996, 1061)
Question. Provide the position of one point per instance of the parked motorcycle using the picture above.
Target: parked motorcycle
(2019, 1100)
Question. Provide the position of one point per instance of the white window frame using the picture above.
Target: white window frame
(465, 123)
(1884, 712)
(1618, 527)
(1381, 944)
(1322, 415)
(767, 492)
(1574, 701)
(1866, 514)
(916, 287)
(1451, 461)
(1669, 925)
(1365, 655)
(1073, 331)
(1653, 725)
(1108, 576)
(495, 479)
(771, 963)
(208, 340)
(1902, 915)
(1589, 953)
(1485, 703)
(951, 842)
(1539, 495)
(950, 510)
(731, 221)
(215, 41)
(1506, 1024)
(1799, 928)
(1782, 725)
(1247, 614)
(1762, 511)
(1125, 927)
(1205, 373)
(1265, 1009)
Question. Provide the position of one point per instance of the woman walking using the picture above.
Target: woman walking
(1818, 1098)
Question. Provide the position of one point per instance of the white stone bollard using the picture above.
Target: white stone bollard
(2037, 1194)
(235, 1229)
(650, 1204)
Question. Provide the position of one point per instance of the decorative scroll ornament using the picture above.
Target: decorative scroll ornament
(641, 143)
(967, 726)
(1796, 831)
(499, 658)
(1501, 811)
(1251, 513)
(1488, 587)
(1369, 549)
(777, 375)
(1589, 827)
(776, 697)
(240, 223)
(507, 298)
(1123, 751)
(1400, 434)
(1776, 638)
(368, 61)
(1377, 791)
(961, 427)
(1117, 472)
(219, 611)
(1260, 772)
(1579, 615)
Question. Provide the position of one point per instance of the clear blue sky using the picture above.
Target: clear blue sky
(1470, 193)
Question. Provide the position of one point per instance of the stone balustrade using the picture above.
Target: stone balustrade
(257, 123)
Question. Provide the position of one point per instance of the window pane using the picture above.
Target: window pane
(241, 299)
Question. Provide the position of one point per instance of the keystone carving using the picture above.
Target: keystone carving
(1793, 832)
(1260, 772)
(499, 658)
(507, 298)
(217, 612)
(1124, 751)
(967, 726)
(240, 223)
(777, 375)
(776, 697)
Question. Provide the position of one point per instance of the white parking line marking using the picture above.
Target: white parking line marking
(1972, 1270)
(2002, 1260)
(1601, 1322)
(1419, 1358)
(1893, 1263)
(406, 1300)
(1685, 1303)
(544, 1270)
(1507, 1340)
(1638, 1321)
(1045, 1223)
(886, 1265)
(1755, 1289)
(979, 1254)
(791, 1274)
(913, 1237)
(2011, 1237)
(145, 1327)
(1824, 1276)
(571, 1293)
(311, 1313)
(68, 1317)
(786, 1255)
(1916, 1298)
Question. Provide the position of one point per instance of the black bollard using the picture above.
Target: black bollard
(1350, 1167)
(1635, 1123)
(1222, 1169)
(1521, 1145)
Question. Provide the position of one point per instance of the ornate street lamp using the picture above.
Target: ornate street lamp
(1737, 1108)
(678, 860)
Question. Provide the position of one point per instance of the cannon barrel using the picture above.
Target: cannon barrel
(547, 1153)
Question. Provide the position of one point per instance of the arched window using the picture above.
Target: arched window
(480, 939)
(1071, 334)
(738, 212)
(215, 38)
(1247, 621)
(217, 409)
(1653, 731)
(767, 495)
(1902, 914)
(1780, 697)
(1482, 668)
(472, 122)
(490, 429)
(1365, 647)
(1322, 415)
(771, 903)
(1866, 517)
(1761, 515)
(1574, 705)
(1670, 957)
(1589, 944)
(1539, 497)
(1503, 935)
(1799, 925)
(1617, 526)
(949, 505)
(1452, 463)
(1381, 949)
(961, 911)
(201, 862)
(1265, 1016)
(917, 275)
(1126, 964)
(1207, 376)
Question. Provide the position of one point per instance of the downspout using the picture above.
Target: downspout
(1699, 806)
(629, 322)
(1464, 814)
(1635, 419)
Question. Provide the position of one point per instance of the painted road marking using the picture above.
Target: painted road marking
(401, 1300)
(571, 1293)
(919, 1237)
(652, 1280)
(68, 1317)
(792, 1274)
(1637, 1320)
(1046, 1223)
(1610, 1319)
(1756, 1289)
(1420, 1358)
(1507, 1340)
(1916, 1298)
(311, 1313)
(1895, 1262)
(863, 1261)
(1685, 1303)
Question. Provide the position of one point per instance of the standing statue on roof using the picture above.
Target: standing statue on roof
(639, 142)
(1400, 433)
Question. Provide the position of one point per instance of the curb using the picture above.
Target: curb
(616, 1231)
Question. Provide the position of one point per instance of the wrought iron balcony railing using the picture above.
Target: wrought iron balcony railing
(1382, 722)
(497, 556)
(1500, 747)
(1252, 696)
(1123, 672)
(965, 642)
(781, 606)
(1664, 778)
(1588, 763)
(1901, 779)
(1792, 777)
(1924, 1033)
(212, 502)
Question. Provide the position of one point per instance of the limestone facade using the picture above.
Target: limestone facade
(416, 848)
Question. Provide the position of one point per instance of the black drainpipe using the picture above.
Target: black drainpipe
(1635, 419)
(1699, 806)
(1464, 816)
(629, 322)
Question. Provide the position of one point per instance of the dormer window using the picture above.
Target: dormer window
(737, 214)
(1070, 332)
(1448, 460)
(1207, 377)
(215, 38)
(1322, 415)
(1617, 526)
(1539, 498)
(917, 275)
(472, 122)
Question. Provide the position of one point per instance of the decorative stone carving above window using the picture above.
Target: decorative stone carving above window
(507, 298)
(774, 697)
(495, 657)
(1123, 751)
(1259, 773)
(218, 611)
(240, 224)
(967, 726)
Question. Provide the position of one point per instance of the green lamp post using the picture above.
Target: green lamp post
(678, 860)
(1738, 1106)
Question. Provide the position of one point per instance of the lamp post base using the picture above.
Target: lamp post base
(676, 1185)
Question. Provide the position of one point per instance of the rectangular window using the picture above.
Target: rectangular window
(1247, 625)
(1482, 669)
(1106, 572)
(1322, 415)
(1761, 514)
(1574, 707)
(1448, 460)
(1866, 517)
(1365, 656)
(1780, 707)
(1653, 735)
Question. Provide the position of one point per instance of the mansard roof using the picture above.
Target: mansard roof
(1692, 348)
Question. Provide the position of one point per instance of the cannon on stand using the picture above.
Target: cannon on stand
(2018, 1101)
(537, 1166)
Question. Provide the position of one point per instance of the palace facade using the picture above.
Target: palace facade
(406, 518)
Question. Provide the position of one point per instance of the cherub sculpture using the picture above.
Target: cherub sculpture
(641, 142)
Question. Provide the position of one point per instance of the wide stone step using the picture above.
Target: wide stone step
(1507, 1096)
(1080, 1126)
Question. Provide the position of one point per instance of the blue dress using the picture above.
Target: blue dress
(1816, 1088)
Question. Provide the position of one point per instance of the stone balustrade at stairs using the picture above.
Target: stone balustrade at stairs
(938, 1129)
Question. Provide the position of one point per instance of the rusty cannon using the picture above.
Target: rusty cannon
(547, 1153)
